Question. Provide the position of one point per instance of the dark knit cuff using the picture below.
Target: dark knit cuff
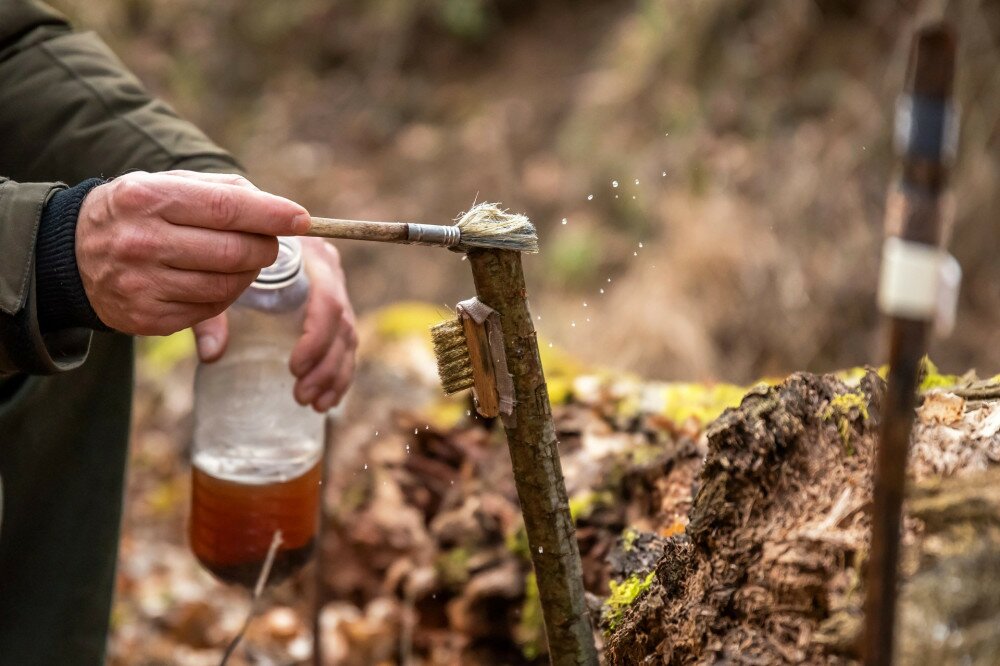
(61, 299)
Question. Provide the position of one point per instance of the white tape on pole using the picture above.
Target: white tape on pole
(919, 281)
(950, 274)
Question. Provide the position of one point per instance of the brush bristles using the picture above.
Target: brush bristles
(487, 225)
(452, 353)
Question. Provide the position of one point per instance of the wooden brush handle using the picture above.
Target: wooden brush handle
(386, 232)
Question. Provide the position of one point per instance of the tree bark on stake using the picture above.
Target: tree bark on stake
(923, 179)
(534, 455)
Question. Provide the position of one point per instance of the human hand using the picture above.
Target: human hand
(159, 252)
(323, 359)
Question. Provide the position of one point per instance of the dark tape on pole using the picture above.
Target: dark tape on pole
(926, 127)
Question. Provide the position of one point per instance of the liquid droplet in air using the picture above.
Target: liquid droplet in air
(614, 183)
(590, 197)
(664, 174)
(564, 220)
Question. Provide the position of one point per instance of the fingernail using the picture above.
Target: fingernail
(301, 223)
(208, 346)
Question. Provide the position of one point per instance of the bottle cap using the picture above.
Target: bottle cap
(285, 268)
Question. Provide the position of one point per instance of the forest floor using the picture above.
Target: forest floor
(740, 538)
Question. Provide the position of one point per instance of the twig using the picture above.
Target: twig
(977, 392)
(317, 658)
(258, 590)
(409, 620)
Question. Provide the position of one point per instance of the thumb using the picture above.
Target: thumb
(211, 337)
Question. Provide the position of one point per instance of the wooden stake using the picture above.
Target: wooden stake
(535, 459)
(924, 177)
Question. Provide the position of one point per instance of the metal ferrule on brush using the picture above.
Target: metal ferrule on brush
(433, 234)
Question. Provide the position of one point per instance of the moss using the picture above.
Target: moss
(844, 409)
(851, 376)
(623, 595)
(583, 504)
(560, 389)
(933, 378)
(448, 411)
(629, 537)
(681, 402)
(453, 566)
(530, 630)
(561, 369)
(409, 318)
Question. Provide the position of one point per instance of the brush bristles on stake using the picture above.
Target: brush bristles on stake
(489, 226)
(452, 352)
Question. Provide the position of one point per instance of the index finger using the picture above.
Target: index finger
(229, 207)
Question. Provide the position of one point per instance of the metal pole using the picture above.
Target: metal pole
(925, 133)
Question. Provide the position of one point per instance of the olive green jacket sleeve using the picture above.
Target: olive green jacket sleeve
(69, 110)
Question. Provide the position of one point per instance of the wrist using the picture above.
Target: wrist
(62, 300)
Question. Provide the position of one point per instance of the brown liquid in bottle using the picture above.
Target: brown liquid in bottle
(233, 524)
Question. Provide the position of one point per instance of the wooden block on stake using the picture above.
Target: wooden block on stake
(483, 374)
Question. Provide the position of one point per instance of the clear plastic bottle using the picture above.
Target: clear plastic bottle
(256, 466)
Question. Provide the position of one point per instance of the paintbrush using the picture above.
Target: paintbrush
(485, 225)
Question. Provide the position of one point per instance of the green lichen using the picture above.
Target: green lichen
(409, 318)
(629, 536)
(623, 595)
(699, 402)
(583, 504)
(932, 378)
(853, 376)
(844, 409)
(453, 566)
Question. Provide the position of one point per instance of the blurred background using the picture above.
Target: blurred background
(750, 143)
(707, 178)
